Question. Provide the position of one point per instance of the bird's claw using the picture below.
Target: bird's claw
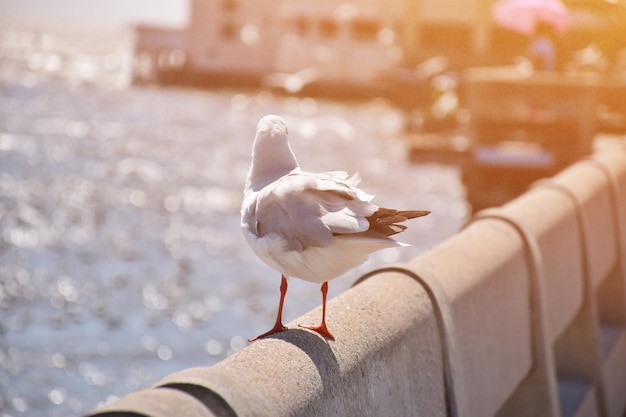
(319, 329)
(276, 329)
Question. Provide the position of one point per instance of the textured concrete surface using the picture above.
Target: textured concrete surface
(591, 189)
(486, 281)
(558, 238)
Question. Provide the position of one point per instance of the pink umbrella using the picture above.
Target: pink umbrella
(523, 16)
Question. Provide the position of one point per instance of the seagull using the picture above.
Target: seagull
(311, 226)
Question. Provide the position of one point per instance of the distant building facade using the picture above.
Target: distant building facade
(331, 40)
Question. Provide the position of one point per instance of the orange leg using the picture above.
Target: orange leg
(278, 326)
(321, 328)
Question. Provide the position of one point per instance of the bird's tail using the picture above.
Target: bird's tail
(385, 221)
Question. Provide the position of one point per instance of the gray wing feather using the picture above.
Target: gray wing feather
(309, 209)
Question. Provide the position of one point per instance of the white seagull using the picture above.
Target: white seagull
(309, 226)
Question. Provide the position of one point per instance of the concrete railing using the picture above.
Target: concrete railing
(523, 313)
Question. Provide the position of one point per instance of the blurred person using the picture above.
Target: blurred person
(542, 49)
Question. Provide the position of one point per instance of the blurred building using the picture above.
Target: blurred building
(328, 41)
(294, 43)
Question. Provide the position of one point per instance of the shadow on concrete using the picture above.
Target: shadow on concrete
(319, 350)
(211, 400)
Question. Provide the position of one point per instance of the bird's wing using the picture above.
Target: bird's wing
(309, 209)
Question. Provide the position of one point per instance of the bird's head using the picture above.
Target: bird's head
(272, 156)
(271, 125)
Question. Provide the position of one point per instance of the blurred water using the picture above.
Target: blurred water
(121, 258)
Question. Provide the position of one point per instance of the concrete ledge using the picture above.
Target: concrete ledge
(522, 313)
(613, 296)
(613, 163)
(614, 166)
(558, 237)
(590, 188)
(488, 288)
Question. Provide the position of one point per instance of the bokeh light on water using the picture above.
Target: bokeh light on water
(121, 259)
